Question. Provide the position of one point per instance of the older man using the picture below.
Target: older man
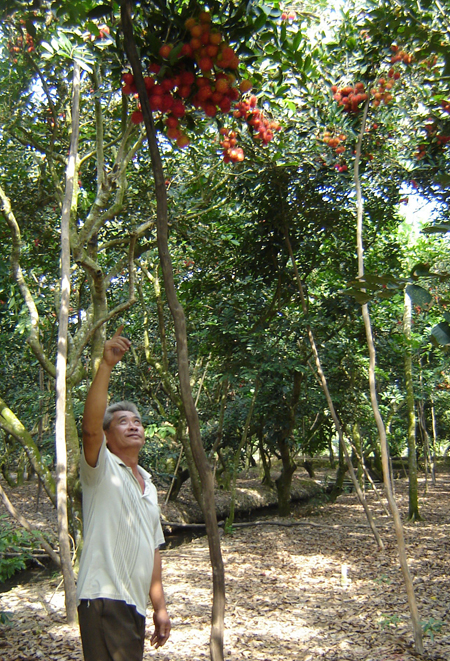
(120, 564)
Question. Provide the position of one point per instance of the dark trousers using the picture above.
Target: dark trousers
(111, 630)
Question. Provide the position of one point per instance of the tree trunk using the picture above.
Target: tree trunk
(433, 459)
(61, 362)
(237, 456)
(15, 428)
(284, 480)
(206, 477)
(413, 514)
(324, 385)
(415, 619)
(265, 460)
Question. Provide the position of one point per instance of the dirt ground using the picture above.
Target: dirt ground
(318, 589)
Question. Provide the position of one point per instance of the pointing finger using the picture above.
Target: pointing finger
(118, 331)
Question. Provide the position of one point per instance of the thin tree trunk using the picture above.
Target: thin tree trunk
(415, 620)
(413, 514)
(237, 456)
(26, 524)
(324, 385)
(201, 461)
(61, 362)
(433, 460)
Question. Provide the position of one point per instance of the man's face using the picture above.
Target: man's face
(125, 432)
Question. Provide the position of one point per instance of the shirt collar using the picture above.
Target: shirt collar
(120, 462)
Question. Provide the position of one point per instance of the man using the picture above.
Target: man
(120, 565)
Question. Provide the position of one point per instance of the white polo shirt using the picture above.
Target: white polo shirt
(122, 529)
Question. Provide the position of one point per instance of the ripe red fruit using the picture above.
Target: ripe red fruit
(155, 102)
(154, 67)
(245, 86)
(212, 50)
(184, 91)
(127, 89)
(216, 97)
(196, 31)
(204, 17)
(210, 110)
(178, 109)
(137, 117)
(183, 141)
(215, 38)
(204, 93)
(164, 51)
(226, 53)
(128, 78)
(149, 82)
(167, 102)
(186, 51)
(202, 82)
(172, 121)
(222, 85)
(225, 105)
(205, 64)
(189, 23)
(173, 133)
(167, 84)
(187, 78)
(195, 43)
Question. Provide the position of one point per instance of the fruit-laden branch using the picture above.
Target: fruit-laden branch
(33, 337)
(25, 524)
(12, 425)
(205, 474)
(415, 620)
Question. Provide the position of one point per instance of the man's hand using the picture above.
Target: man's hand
(115, 348)
(97, 397)
(162, 628)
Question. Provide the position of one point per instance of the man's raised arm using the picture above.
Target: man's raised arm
(97, 397)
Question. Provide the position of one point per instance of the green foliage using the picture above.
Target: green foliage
(14, 541)
(431, 627)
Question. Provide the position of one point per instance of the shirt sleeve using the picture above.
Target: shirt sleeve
(92, 475)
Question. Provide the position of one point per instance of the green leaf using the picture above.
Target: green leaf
(296, 41)
(441, 333)
(420, 270)
(100, 11)
(439, 228)
(418, 295)
(47, 47)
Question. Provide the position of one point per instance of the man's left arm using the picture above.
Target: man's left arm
(160, 616)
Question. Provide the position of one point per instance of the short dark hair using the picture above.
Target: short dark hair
(118, 406)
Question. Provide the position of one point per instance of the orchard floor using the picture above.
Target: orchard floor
(286, 595)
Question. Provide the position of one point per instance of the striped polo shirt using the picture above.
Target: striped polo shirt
(121, 528)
